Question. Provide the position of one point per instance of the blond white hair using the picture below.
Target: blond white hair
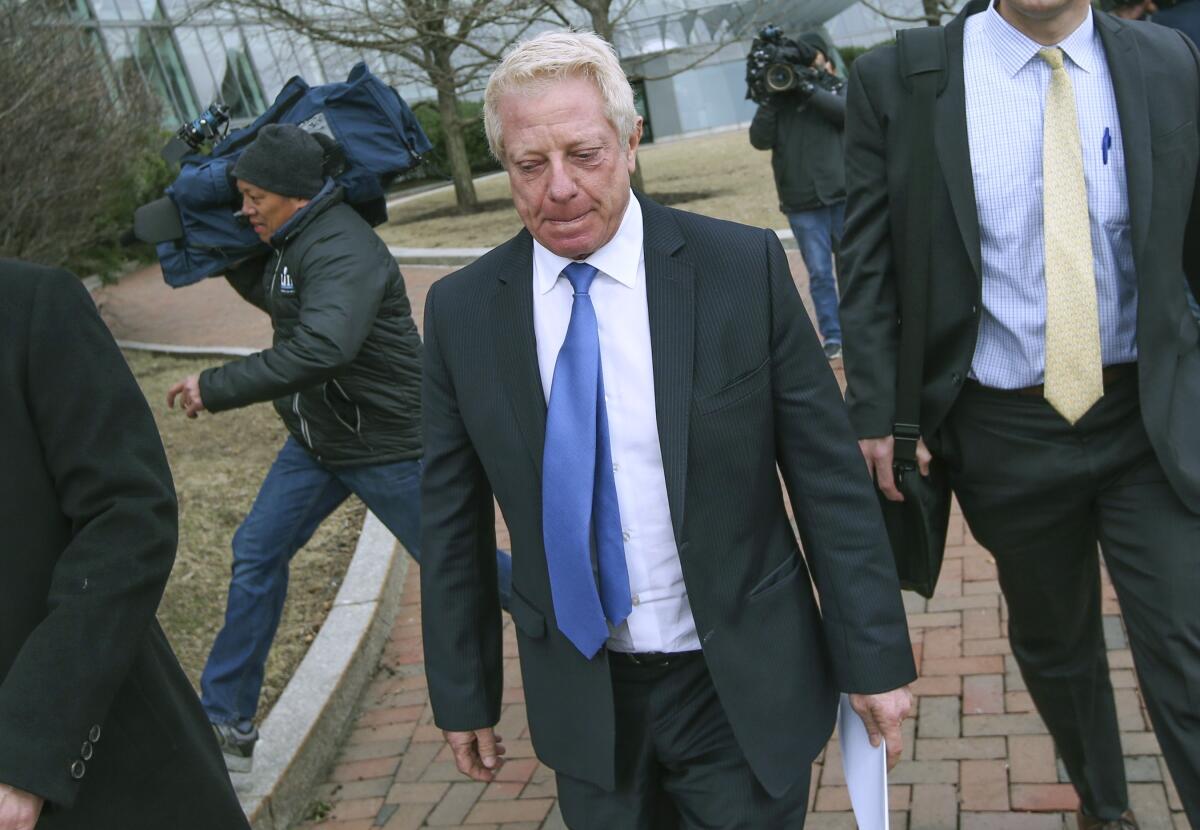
(554, 56)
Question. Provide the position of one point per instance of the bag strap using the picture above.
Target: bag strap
(922, 59)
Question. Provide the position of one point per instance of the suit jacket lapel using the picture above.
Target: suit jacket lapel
(1129, 87)
(516, 345)
(952, 143)
(670, 298)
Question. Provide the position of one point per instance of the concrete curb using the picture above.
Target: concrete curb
(165, 348)
(305, 728)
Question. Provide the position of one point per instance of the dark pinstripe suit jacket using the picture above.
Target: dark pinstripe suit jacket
(1156, 81)
(743, 394)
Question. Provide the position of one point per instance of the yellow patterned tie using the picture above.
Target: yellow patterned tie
(1074, 376)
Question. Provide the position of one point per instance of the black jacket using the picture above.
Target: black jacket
(805, 140)
(95, 714)
(1157, 87)
(744, 397)
(344, 369)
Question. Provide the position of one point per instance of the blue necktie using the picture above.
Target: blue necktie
(579, 493)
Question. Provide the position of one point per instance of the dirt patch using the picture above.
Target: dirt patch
(218, 463)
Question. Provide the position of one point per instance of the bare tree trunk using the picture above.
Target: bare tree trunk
(933, 12)
(456, 145)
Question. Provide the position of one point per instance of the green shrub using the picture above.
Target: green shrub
(471, 112)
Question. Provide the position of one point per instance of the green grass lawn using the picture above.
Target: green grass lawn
(718, 175)
(218, 463)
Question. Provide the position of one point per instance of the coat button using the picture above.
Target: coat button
(78, 768)
(85, 751)
(94, 734)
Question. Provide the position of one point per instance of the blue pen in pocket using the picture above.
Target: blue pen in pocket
(1105, 145)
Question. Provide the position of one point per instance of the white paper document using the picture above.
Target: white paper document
(865, 767)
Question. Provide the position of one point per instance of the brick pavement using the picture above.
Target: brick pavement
(976, 756)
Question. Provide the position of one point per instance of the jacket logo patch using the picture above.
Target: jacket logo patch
(285, 282)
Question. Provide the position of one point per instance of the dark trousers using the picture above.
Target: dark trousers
(1040, 494)
(678, 764)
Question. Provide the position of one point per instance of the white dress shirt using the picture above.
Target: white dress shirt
(661, 619)
(1006, 84)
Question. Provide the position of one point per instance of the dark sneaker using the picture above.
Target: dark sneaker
(237, 746)
(833, 350)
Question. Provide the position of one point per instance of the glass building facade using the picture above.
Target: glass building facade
(192, 57)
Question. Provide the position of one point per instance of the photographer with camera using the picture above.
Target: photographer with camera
(801, 111)
(344, 372)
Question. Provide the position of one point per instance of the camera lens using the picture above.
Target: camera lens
(780, 77)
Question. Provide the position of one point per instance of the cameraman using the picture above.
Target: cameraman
(344, 372)
(803, 130)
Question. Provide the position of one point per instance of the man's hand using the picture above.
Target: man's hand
(879, 453)
(477, 754)
(188, 392)
(882, 714)
(19, 810)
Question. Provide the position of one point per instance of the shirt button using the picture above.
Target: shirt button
(616, 468)
(94, 734)
(78, 768)
(635, 600)
(85, 751)
(625, 535)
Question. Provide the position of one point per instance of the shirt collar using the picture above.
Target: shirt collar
(1015, 49)
(619, 258)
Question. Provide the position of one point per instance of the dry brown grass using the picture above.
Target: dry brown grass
(718, 175)
(218, 463)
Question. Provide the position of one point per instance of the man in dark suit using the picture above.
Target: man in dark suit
(630, 382)
(99, 727)
(1062, 375)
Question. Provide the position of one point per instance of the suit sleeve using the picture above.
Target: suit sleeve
(343, 288)
(869, 307)
(834, 502)
(1191, 236)
(459, 605)
(103, 453)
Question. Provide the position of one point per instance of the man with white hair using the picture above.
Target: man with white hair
(629, 382)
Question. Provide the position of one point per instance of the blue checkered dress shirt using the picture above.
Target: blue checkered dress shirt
(1006, 85)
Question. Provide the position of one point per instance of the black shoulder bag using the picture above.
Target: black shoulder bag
(917, 526)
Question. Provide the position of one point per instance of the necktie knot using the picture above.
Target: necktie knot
(580, 275)
(1053, 56)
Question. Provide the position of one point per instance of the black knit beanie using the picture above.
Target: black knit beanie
(283, 159)
(816, 41)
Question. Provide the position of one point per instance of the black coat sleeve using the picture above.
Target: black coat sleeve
(763, 127)
(247, 280)
(102, 452)
(869, 307)
(343, 287)
(834, 502)
(830, 105)
(459, 603)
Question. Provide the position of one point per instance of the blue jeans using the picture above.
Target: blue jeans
(818, 234)
(296, 496)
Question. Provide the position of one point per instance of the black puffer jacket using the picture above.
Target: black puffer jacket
(345, 367)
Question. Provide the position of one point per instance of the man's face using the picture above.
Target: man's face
(568, 170)
(267, 211)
